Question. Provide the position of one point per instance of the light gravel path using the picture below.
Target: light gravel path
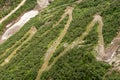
(52, 49)
(77, 41)
(13, 11)
(31, 33)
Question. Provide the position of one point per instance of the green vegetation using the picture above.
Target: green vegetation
(7, 5)
(78, 63)
(111, 21)
(26, 7)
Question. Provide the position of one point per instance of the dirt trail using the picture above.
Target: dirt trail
(13, 11)
(109, 54)
(55, 44)
(23, 20)
(111, 50)
(100, 47)
(18, 25)
(76, 42)
(31, 33)
(13, 46)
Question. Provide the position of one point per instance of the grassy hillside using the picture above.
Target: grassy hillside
(7, 5)
(74, 57)
(26, 7)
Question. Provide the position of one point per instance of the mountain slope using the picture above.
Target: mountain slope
(66, 41)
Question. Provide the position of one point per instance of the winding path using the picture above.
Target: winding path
(52, 49)
(13, 11)
(100, 47)
(111, 50)
(31, 33)
(77, 41)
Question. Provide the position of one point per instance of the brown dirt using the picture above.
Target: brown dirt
(76, 42)
(100, 46)
(13, 11)
(31, 32)
(52, 49)
(111, 50)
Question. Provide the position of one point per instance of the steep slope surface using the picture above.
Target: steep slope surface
(68, 40)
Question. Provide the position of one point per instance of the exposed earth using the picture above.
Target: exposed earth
(52, 33)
